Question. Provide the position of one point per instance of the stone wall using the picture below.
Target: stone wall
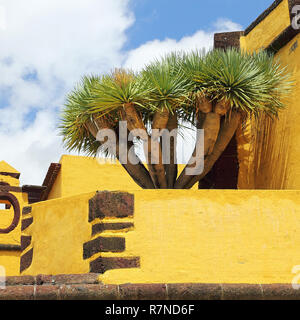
(87, 287)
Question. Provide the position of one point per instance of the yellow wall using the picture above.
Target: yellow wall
(6, 217)
(83, 174)
(290, 119)
(269, 150)
(56, 191)
(268, 29)
(180, 236)
(10, 260)
(58, 232)
(213, 236)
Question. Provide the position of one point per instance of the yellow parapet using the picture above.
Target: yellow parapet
(167, 236)
(80, 174)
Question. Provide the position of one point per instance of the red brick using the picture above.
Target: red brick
(89, 292)
(242, 292)
(26, 210)
(20, 280)
(88, 278)
(194, 291)
(26, 260)
(111, 204)
(17, 293)
(280, 292)
(47, 292)
(26, 223)
(43, 279)
(143, 292)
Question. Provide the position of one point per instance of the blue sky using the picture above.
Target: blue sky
(159, 19)
(48, 45)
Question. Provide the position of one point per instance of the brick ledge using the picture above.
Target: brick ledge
(87, 287)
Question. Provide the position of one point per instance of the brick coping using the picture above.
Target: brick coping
(87, 287)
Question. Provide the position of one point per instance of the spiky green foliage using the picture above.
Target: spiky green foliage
(168, 87)
(116, 89)
(75, 116)
(278, 82)
(252, 83)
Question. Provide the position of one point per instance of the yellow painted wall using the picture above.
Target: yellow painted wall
(290, 119)
(181, 236)
(213, 236)
(56, 191)
(10, 260)
(84, 174)
(268, 29)
(276, 166)
(58, 232)
(6, 217)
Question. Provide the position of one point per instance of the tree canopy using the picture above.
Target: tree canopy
(213, 91)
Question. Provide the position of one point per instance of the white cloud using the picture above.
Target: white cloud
(32, 149)
(45, 47)
(157, 48)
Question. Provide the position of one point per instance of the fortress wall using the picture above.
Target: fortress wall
(163, 236)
